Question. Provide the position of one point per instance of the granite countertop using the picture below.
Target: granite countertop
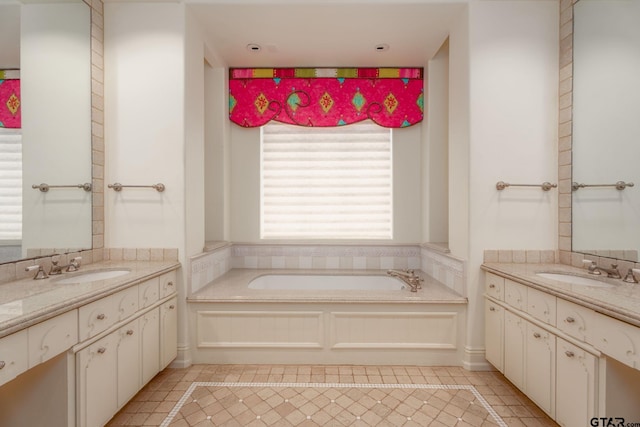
(232, 287)
(26, 302)
(621, 301)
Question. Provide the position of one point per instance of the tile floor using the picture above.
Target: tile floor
(288, 395)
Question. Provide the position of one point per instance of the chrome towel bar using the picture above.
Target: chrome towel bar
(118, 187)
(546, 186)
(45, 187)
(620, 185)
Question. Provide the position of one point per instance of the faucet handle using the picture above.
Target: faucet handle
(588, 261)
(40, 274)
(74, 264)
(630, 277)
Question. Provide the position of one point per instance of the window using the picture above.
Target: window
(10, 185)
(326, 183)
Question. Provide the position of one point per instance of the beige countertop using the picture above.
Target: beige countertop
(621, 301)
(26, 302)
(233, 287)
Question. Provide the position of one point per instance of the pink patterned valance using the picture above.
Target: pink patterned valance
(325, 97)
(10, 116)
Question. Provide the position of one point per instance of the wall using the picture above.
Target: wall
(153, 134)
(245, 185)
(55, 42)
(9, 44)
(513, 78)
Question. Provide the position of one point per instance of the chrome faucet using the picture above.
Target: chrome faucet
(73, 265)
(409, 277)
(595, 269)
(40, 274)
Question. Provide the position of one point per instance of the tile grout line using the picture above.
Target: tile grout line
(174, 411)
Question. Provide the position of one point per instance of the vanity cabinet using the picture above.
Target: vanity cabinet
(540, 368)
(541, 359)
(14, 353)
(494, 334)
(576, 381)
(97, 381)
(130, 349)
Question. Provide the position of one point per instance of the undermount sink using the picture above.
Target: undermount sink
(92, 276)
(575, 280)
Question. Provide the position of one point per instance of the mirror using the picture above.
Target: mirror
(49, 42)
(606, 128)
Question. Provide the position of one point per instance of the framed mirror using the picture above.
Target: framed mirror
(606, 128)
(49, 45)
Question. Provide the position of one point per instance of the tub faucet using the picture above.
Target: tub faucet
(594, 268)
(409, 277)
(56, 269)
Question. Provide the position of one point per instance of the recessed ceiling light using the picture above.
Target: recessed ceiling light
(253, 47)
(381, 47)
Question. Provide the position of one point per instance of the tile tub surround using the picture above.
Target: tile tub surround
(153, 405)
(26, 302)
(219, 257)
(346, 257)
(621, 302)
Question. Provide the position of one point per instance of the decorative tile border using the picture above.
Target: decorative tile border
(520, 256)
(208, 266)
(187, 395)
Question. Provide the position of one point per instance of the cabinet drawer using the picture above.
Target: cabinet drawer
(542, 306)
(617, 339)
(96, 317)
(515, 294)
(13, 355)
(168, 284)
(126, 302)
(494, 286)
(149, 292)
(52, 337)
(575, 320)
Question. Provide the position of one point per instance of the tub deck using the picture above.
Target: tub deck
(233, 287)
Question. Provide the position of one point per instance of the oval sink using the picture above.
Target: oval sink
(575, 280)
(92, 276)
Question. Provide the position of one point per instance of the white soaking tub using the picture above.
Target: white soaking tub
(325, 317)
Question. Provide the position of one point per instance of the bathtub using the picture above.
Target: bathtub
(327, 282)
(256, 316)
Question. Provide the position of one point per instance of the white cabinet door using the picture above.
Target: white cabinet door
(150, 344)
(169, 332)
(576, 385)
(540, 365)
(128, 361)
(97, 382)
(494, 334)
(515, 330)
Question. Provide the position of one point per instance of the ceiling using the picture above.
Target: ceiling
(329, 33)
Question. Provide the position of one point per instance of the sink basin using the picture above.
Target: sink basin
(92, 276)
(575, 280)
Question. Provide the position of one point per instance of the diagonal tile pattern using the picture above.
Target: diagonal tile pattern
(335, 396)
(291, 404)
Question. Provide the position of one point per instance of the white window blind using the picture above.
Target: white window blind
(326, 183)
(10, 186)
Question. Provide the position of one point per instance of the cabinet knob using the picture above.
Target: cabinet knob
(570, 319)
(101, 316)
(101, 350)
(569, 353)
(536, 335)
(130, 332)
(170, 284)
(492, 286)
(492, 309)
(2, 364)
(171, 307)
